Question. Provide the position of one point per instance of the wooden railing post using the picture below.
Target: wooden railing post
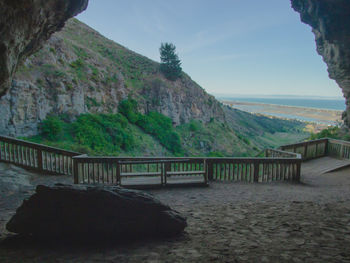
(167, 168)
(210, 171)
(305, 151)
(326, 145)
(297, 177)
(341, 152)
(75, 171)
(256, 172)
(205, 171)
(39, 159)
(119, 182)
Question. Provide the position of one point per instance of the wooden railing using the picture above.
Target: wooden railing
(309, 149)
(139, 171)
(338, 149)
(166, 171)
(275, 153)
(38, 157)
(276, 165)
(320, 148)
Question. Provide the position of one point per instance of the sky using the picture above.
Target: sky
(249, 47)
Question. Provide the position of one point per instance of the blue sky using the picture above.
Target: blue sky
(251, 47)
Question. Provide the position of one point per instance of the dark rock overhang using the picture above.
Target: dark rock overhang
(330, 22)
(25, 25)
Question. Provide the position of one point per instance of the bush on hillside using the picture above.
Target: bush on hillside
(103, 133)
(216, 154)
(195, 126)
(51, 128)
(161, 127)
(331, 132)
(128, 108)
(153, 123)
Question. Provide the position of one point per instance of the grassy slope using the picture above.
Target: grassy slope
(96, 63)
(146, 145)
(197, 139)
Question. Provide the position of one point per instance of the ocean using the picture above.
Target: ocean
(325, 111)
(329, 104)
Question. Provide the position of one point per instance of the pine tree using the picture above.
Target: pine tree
(170, 64)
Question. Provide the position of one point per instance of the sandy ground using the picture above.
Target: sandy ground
(321, 116)
(227, 222)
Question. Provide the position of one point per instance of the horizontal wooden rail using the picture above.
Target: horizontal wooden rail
(121, 171)
(338, 149)
(320, 148)
(275, 153)
(254, 169)
(106, 170)
(309, 149)
(38, 157)
(277, 165)
(152, 161)
(37, 146)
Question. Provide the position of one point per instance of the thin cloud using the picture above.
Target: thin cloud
(151, 21)
(221, 58)
(221, 33)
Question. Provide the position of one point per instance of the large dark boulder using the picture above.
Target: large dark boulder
(94, 213)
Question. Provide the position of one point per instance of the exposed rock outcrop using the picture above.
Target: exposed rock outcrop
(25, 25)
(94, 213)
(80, 71)
(330, 22)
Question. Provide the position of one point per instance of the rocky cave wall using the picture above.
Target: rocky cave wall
(330, 22)
(25, 25)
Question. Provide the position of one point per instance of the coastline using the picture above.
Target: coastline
(316, 117)
(275, 104)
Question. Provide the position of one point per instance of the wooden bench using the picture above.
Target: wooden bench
(146, 174)
(186, 173)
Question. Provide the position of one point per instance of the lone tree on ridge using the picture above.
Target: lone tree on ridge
(170, 64)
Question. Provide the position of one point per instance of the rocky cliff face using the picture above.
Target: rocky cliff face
(79, 71)
(25, 25)
(330, 22)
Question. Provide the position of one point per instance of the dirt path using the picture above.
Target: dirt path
(227, 222)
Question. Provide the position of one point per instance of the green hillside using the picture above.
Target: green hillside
(95, 96)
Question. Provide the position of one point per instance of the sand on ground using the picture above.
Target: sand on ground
(227, 222)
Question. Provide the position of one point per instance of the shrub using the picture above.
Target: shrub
(89, 133)
(129, 109)
(331, 132)
(91, 102)
(161, 127)
(195, 126)
(52, 50)
(79, 68)
(153, 123)
(216, 154)
(77, 64)
(51, 127)
(69, 86)
(105, 133)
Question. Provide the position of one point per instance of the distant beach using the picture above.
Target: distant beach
(308, 102)
(323, 112)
